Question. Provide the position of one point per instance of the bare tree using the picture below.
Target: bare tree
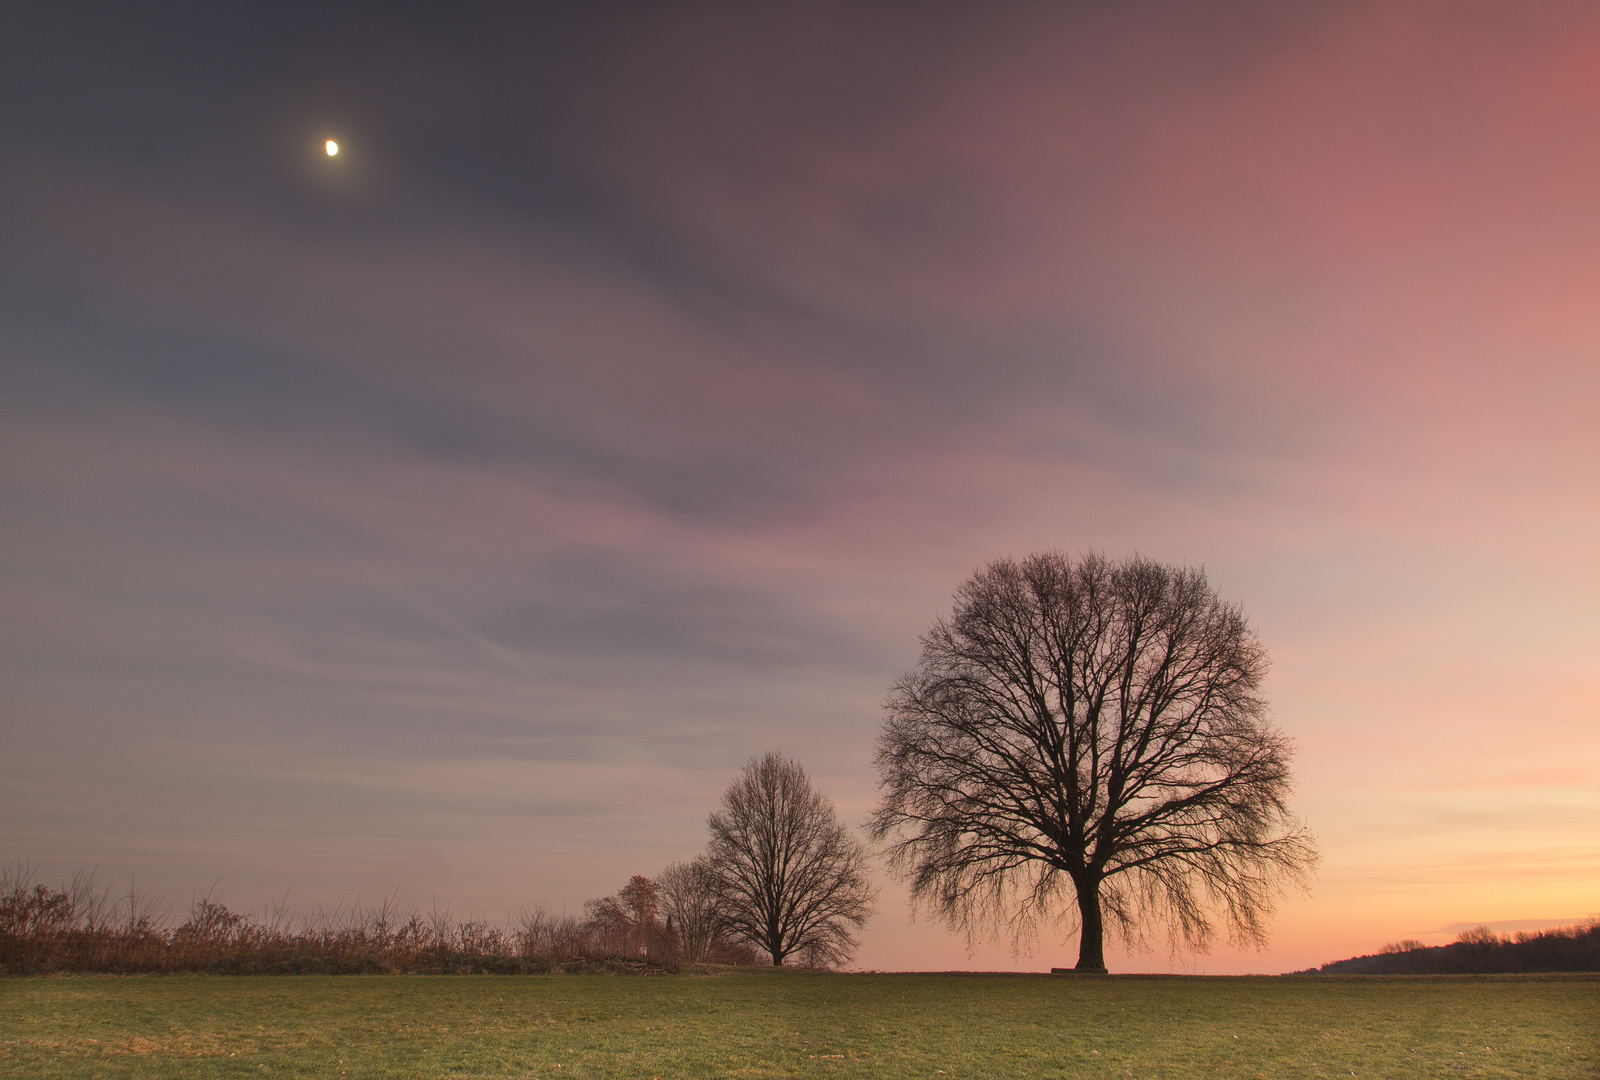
(641, 898)
(790, 876)
(1096, 727)
(692, 908)
(609, 928)
(629, 923)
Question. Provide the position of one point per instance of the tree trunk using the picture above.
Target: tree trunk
(1091, 938)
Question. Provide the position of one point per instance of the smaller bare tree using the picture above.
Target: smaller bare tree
(608, 926)
(641, 898)
(791, 877)
(692, 908)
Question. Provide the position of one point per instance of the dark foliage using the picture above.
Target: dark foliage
(1481, 952)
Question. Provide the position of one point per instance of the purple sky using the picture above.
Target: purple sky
(456, 516)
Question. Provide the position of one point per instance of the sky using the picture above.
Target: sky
(454, 517)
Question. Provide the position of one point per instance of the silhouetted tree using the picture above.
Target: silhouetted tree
(790, 877)
(692, 907)
(607, 923)
(641, 898)
(1095, 731)
(629, 923)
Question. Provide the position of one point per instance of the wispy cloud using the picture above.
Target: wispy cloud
(637, 385)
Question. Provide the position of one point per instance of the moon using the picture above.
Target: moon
(333, 148)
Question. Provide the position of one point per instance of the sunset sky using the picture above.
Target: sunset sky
(454, 517)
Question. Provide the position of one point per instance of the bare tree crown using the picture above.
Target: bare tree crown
(692, 906)
(1093, 731)
(792, 879)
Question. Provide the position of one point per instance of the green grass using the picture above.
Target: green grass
(791, 1024)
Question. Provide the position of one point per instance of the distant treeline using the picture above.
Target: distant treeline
(84, 927)
(1481, 952)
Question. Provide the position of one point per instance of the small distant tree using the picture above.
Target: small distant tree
(628, 923)
(641, 899)
(606, 922)
(692, 908)
(791, 878)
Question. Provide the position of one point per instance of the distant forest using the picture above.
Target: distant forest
(1481, 952)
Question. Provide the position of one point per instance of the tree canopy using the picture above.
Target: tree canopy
(1090, 731)
(791, 878)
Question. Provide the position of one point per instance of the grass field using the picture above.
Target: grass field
(793, 1023)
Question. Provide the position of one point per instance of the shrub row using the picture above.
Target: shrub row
(82, 927)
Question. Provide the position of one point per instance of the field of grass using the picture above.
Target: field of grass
(794, 1023)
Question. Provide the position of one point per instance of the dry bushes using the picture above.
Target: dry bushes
(83, 927)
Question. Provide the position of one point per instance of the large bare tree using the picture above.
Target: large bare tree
(792, 878)
(1090, 731)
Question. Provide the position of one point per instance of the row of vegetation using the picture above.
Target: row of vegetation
(85, 927)
(1481, 951)
(782, 880)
